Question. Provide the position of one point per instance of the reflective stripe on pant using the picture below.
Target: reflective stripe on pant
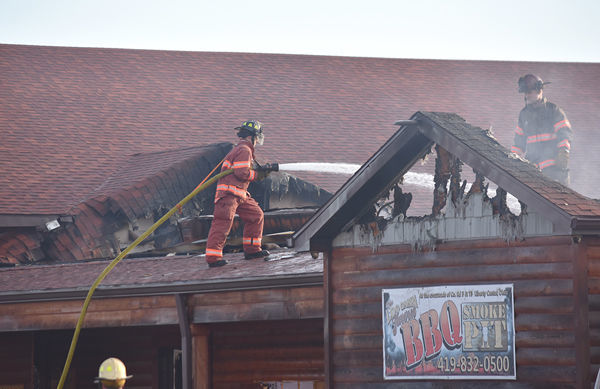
(225, 209)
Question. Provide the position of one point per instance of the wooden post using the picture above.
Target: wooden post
(186, 341)
(581, 302)
(328, 323)
(201, 356)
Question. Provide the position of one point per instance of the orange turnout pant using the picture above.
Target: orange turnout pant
(225, 209)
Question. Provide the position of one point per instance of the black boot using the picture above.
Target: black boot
(219, 263)
(259, 254)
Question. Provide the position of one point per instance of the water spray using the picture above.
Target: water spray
(418, 179)
(320, 167)
(424, 180)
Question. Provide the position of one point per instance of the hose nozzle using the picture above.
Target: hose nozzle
(269, 167)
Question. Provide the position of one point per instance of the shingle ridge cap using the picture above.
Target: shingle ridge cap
(177, 149)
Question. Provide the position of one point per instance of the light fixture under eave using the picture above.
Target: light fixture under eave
(52, 225)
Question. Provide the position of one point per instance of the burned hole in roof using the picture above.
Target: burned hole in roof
(438, 190)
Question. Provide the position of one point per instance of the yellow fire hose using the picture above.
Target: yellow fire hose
(122, 255)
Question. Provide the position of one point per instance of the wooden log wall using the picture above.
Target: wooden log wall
(16, 360)
(245, 354)
(542, 270)
(143, 330)
(259, 304)
(593, 256)
(138, 347)
(113, 312)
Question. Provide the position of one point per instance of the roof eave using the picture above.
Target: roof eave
(585, 226)
(211, 286)
(19, 221)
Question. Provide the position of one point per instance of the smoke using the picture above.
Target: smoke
(424, 180)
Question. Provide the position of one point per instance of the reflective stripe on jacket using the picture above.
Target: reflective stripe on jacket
(240, 160)
(542, 130)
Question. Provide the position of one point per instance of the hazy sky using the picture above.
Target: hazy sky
(529, 30)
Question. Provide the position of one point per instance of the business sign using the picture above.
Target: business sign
(449, 332)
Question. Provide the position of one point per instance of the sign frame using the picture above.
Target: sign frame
(422, 338)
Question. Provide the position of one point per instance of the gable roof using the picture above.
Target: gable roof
(569, 211)
(69, 116)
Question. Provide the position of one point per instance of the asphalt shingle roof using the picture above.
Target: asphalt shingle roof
(68, 116)
(571, 202)
(161, 275)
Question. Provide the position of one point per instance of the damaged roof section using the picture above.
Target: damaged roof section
(361, 211)
(141, 191)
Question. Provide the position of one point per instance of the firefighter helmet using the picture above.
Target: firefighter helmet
(531, 82)
(112, 373)
(251, 128)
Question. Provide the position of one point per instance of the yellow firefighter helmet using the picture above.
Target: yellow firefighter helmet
(112, 373)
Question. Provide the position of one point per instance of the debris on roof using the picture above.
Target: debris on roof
(146, 187)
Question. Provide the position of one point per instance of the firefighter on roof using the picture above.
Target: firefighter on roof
(543, 134)
(232, 196)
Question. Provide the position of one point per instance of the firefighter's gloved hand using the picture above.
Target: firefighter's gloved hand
(562, 159)
(261, 174)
